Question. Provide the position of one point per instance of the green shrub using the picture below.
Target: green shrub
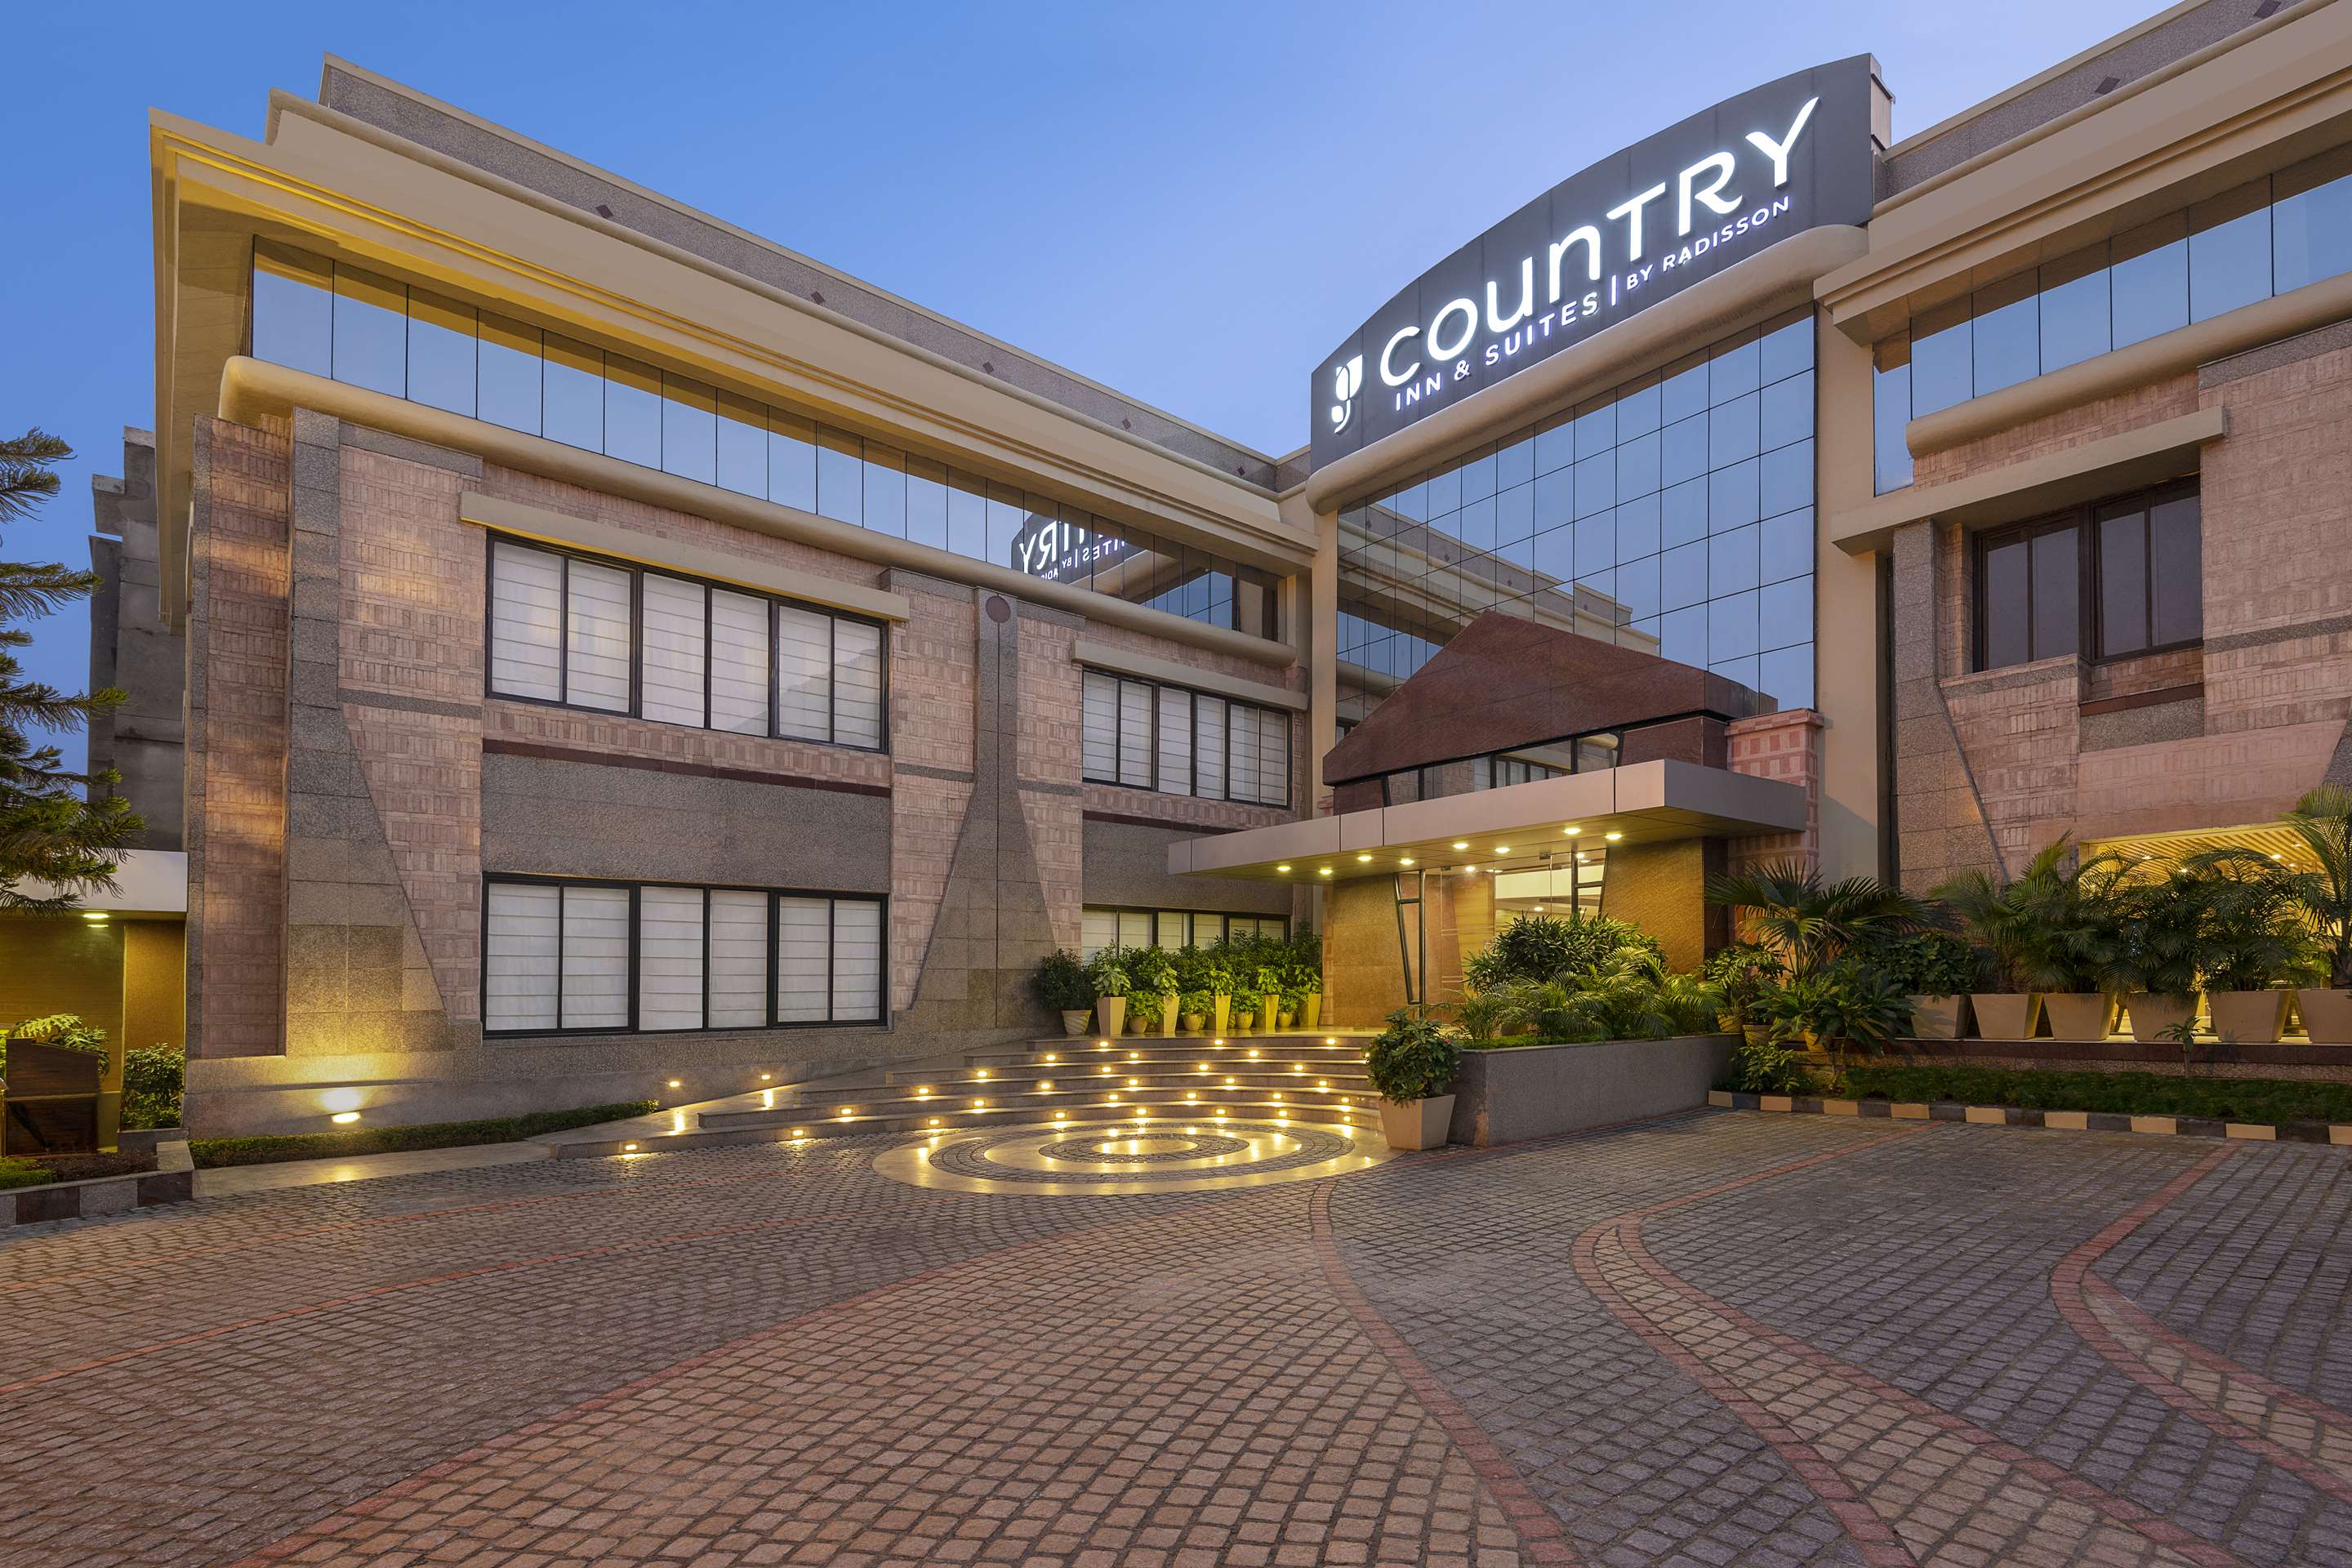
(152, 1079)
(1923, 962)
(1840, 1007)
(2122, 1093)
(1412, 1059)
(266, 1149)
(1766, 1066)
(1107, 972)
(1545, 947)
(1743, 975)
(66, 1031)
(1060, 983)
(16, 1172)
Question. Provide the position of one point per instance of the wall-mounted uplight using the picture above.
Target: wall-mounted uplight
(675, 1084)
(341, 1099)
(344, 1118)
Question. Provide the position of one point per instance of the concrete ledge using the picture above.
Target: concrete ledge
(99, 1196)
(1512, 1093)
(2336, 1134)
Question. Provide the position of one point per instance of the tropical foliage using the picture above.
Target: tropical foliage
(1809, 923)
(1412, 1058)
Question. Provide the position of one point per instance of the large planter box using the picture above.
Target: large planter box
(1512, 1093)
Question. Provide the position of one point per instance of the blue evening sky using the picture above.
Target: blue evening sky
(1189, 202)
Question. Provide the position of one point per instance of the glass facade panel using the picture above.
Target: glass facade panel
(1645, 517)
(332, 319)
(2279, 232)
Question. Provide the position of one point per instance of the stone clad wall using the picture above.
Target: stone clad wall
(1992, 766)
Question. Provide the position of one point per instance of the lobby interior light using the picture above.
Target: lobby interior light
(97, 917)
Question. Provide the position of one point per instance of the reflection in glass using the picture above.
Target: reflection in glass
(575, 394)
(370, 331)
(2149, 281)
(441, 338)
(2073, 309)
(507, 363)
(293, 309)
(2229, 251)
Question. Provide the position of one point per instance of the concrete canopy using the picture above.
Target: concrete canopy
(1518, 827)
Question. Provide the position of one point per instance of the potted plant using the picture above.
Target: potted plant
(2051, 933)
(1934, 969)
(1743, 974)
(1839, 1007)
(1220, 982)
(1107, 971)
(1310, 1000)
(1269, 995)
(1193, 1007)
(1154, 998)
(1293, 999)
(2157, 945)
(1411, 1065)
(1143, 1009)
(1061, 984)
(2320, 873)
(2253, 940)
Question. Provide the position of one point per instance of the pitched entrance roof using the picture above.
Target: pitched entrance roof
(1505, 681)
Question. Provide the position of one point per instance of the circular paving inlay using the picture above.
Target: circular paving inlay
(1122, 1158)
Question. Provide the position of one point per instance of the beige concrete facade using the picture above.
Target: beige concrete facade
(309, 555)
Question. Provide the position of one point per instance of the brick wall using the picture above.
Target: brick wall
(1991, 767)
(239, 632)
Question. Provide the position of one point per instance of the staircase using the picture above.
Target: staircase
(1317, 1077)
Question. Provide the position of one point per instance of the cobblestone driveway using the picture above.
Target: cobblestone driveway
(1722, 1339)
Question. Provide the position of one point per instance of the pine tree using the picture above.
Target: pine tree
(68, 829)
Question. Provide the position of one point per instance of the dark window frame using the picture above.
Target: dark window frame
(2090, 623)
(833, 898)
(1193, 695)
(1155, 910)
(638, 573)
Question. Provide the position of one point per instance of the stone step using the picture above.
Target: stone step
(1126, 1075)
(1338, 1102)
(779, 1128)
(1147, 1047)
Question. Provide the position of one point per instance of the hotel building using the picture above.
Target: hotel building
(623, 657)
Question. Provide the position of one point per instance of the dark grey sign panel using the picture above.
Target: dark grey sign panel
(1604, 245)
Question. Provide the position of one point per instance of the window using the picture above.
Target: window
(2122, 577)
(1165, 738)
(1102, 927)
(331, 318)
(619, 957)
(569, 629)
(2260, 239)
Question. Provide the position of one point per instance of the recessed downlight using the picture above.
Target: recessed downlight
(1572, 831)
(1282, 867)
(1323, 870)
(1502, 849)
(1461, 844)
(1612, 837)
(1365, 858)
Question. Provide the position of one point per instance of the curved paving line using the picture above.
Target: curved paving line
(1878, 1456)
(2292, 1430)
(1541, 1534)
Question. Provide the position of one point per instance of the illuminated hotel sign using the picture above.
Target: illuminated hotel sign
(1598, 248)
(1063, 552)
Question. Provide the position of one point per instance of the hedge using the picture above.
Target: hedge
(23, 1174)
(268, 1148)
(2125, 1093)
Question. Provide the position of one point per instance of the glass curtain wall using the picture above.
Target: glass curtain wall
(1674, 514)
(350, 325)
(2267, 238)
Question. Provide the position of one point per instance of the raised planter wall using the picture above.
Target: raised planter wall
(2279, 1058)
(1510, 1095)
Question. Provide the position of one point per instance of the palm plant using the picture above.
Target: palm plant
(2053, 928)
(1810, 923)
(1838, 1006)
(2252, 932)
(2158, 936)
(2323, 820)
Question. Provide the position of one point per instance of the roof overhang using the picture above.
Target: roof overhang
(1518, 827)
(149, 883)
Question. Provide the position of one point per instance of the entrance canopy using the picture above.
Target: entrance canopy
(1518, 827)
